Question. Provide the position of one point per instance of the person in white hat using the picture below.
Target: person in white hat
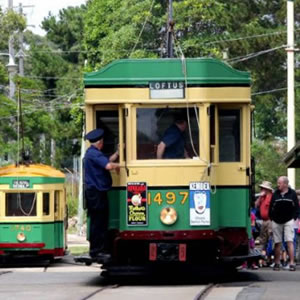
(263, 204)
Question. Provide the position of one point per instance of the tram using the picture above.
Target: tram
(32, 212)
(190, 211)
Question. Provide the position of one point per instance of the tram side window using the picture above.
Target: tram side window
(109, 121)
(56, 202)
(20, 204)
(46, 204)
(229, 135)
(152, 124)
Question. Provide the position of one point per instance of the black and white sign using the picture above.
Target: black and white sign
(21, 184)
(166, 89)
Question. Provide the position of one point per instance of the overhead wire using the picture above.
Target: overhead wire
(252, 55)
(208, 163)
(142, 29)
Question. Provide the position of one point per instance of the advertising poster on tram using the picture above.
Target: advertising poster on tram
(199, 203)
(137, 207)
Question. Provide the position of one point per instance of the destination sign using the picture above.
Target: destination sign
(166, 89)
(21, 184)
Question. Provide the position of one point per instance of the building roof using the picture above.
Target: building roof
(292, 158)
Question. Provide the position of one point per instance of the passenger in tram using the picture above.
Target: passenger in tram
(172, 145)
(97, 183)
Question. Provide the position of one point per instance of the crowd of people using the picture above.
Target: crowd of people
(275, 226)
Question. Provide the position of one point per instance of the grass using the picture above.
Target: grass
(78, 250)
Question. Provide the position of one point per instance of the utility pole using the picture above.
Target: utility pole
(170, 31)
(291, 86)
(20, 54)
(11, 65)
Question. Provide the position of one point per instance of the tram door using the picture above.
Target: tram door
(109, 118)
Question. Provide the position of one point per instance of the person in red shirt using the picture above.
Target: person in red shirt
(263, 204)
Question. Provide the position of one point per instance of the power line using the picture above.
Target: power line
(272, 91)
(255, 54)
(143, 27)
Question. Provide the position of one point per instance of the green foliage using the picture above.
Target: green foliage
(268, 160)
(10, 23)
(66, 32)
(72, 204)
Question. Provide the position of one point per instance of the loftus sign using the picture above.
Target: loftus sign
(166, 89)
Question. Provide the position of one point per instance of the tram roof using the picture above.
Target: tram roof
(140, 72)
(31, 170)
(292, 158)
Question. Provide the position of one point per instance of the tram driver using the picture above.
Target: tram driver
(172, 145)
(97, 183)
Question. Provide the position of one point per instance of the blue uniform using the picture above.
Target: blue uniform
(174, 140)
(95, 173)
(97, 182)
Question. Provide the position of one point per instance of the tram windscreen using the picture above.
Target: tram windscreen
(20, 204)
(152, 124)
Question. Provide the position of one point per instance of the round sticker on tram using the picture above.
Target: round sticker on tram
(168, 215)
(21, 237)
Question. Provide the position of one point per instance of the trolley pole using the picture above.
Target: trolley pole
(291, 88)
(170, 31)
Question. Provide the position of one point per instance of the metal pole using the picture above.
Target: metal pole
(11, 51)
(170, 31)
(21, 52)
(291, 88)
(72, 194)
(81, 191)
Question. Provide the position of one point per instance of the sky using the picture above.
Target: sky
(40, 10)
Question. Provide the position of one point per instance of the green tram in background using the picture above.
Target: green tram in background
(180, 212)
(32, 212)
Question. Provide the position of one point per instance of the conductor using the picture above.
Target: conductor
(97, 183)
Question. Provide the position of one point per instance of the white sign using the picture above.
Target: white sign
(166, 90)
(199, 203)
(21, 184)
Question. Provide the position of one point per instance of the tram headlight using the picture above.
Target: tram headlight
(168, 215)
(21, 237)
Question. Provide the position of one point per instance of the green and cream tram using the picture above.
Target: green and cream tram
(187, 211)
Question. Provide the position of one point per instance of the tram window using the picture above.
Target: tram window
(20, 204)
(56, 202)
(152, 124)
(46, 204)
(109, 121)
(229, 135)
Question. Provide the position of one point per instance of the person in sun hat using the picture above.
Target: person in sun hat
(284, 210)
(263, 204)
(98, 181)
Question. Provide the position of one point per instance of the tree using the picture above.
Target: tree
(66, 32)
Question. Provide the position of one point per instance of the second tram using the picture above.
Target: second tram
(32, 212)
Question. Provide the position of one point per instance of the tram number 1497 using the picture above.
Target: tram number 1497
(167, 197)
